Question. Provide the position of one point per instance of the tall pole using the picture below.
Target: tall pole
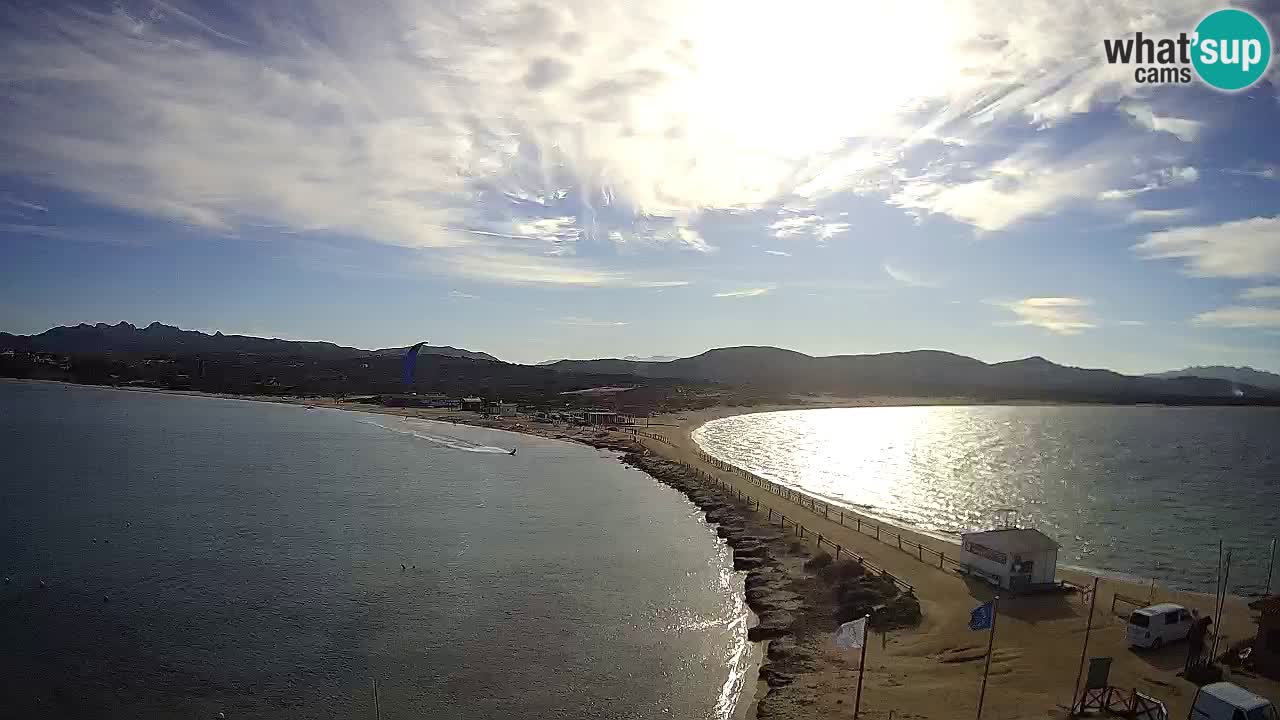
(991, 641)
(862, 663)
(1084, 649)
(377, 711)
(1271, 565)
(1222, 604)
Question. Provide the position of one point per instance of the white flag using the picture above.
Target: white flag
(852, 635)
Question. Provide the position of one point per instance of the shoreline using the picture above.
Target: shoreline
(930, 670)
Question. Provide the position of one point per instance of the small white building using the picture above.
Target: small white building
(506, 409)
(1011, 558)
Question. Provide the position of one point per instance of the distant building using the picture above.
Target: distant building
(474, 404)
(1266, 646)
(1011, 558)
(504, 409)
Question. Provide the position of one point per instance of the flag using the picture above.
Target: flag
(980, 618)
(852, 635)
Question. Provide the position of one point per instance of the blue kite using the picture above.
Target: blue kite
(410, 363)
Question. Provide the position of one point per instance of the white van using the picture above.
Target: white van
(1225, 701)
(1158, 625)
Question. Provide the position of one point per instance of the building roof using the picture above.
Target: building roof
(1022, 538)
(1235, 695)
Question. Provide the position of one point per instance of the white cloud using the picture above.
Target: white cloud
(907, 278)
(1130, 322)
(1184, 129)
(588, 322)
(452, 125)
(1024, 185)
(1262, 292)
(807, 225)
(779, 253)
(1059, 315)
(1168, 216)
(1240, 316)
(1238, 249)
(747, 292)
(459, 295)
(1176, 176)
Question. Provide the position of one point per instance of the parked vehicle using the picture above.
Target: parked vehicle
(1226, 701)
(1158, 625)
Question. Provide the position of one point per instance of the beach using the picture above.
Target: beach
(931, 670)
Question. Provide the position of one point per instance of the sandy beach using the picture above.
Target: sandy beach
(932, 670)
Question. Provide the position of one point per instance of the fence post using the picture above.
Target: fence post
(941, 556)
(859, 524)
(899, 542)
(920, 552)
(771, 516)
(877, 532)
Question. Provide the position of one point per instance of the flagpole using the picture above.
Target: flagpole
(1075, 690)
(991, 641)
(862, 664)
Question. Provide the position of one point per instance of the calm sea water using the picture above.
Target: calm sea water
(252, 557)
(1143, 491)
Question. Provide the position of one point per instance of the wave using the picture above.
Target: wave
(443, 440)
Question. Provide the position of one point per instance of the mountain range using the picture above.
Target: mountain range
(756, 371)
(159, 338)
(1242, 375)
(919, 372)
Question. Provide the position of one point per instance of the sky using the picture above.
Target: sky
(600, 178)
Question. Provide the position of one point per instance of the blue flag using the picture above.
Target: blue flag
(980, 618)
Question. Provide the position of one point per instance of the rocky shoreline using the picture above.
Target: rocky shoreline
(799, 596)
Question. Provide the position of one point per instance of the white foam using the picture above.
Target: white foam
(442, 440)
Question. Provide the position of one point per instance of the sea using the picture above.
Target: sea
(173, 556)
(1137, 491)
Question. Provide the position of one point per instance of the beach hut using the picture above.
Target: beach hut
(1011, 558)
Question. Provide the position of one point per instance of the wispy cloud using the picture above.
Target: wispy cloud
(907, 278)
(1131, 322)
(779, 253)
(1240, 316)
(1168, 216)
(1169, 177)
(1027, 184)
(1059, 315)
(747, 292)
(1237, 249)
(1262, 292)
(475, 129)
(459, 295)
(12, 201)
(1266, 172)
(588, 322)
(1182, 128)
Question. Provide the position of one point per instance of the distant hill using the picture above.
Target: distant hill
(1242, 375)
(919, 373)
(630, 358)
(165, 339)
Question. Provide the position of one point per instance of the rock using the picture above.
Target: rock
(817, 562)
(747, 562)
(773, 623)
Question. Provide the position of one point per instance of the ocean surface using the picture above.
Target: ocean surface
(206, 555)
(1145, 492)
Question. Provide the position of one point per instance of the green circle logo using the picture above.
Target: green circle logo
(1232, 49)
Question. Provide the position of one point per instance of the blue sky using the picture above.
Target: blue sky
(588, 179)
